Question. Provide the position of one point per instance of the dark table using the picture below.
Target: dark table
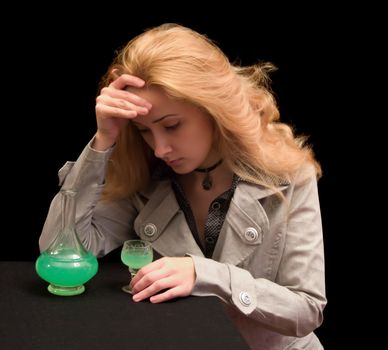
(104, 317)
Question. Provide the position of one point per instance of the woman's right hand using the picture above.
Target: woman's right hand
(115, 107)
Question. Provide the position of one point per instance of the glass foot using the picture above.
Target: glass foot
(66, 291)
(126, 289)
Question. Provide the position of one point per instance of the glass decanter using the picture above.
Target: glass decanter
(66, 264)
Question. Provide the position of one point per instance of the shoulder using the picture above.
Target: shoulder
(305, 176)
(306, 173)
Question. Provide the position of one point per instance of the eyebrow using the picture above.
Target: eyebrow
(159, 119)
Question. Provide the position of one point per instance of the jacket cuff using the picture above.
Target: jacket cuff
(243, 289)
(213, 278)
(232, 284)
(98, 156)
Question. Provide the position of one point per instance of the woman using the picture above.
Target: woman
(190, 155)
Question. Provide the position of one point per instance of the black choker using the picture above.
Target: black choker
(207, 182)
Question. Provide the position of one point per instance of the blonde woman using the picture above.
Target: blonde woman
(189, 154)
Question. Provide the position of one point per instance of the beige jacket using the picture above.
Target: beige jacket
(268, 264)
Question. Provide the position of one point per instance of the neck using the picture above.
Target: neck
(210, 168)
(207, 182)
(192, 182)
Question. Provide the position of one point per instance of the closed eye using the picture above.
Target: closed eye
(172, 127)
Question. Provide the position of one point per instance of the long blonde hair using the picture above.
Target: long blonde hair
(190, 67)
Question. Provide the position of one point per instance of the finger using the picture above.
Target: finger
(154, 266)
(103, 109)
(154, 288)
(136, 99)
(125, 79)
(148, 279)
(168, 295)
(120, 103)
(126, 95)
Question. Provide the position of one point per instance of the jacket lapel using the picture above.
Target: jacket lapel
(162, 215)
(245, 225)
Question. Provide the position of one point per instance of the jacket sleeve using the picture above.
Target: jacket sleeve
(293, 303)
(101, 226)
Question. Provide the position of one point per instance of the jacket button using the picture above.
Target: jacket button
(150, 230)
(251, 234)
(216, 205)
(245, 299)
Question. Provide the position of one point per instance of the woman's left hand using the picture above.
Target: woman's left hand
(174, 276)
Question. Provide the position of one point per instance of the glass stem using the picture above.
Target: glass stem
(132, 272)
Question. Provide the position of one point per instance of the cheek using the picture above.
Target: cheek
(201, 139)
(206, 133)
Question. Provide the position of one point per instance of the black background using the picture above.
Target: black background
(54, 58)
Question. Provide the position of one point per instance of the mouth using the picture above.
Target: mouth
(174, 162)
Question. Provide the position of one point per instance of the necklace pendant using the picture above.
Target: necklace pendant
(207, 182)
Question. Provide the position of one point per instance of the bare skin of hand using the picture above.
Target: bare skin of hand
(174, 276)
(115, 107)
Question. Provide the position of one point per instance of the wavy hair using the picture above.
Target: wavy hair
(188, 66)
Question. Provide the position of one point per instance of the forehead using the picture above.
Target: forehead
(162, 104)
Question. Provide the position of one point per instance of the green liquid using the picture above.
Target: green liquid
(136, 261)
(66, 272)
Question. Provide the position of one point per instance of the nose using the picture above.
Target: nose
(161, 147)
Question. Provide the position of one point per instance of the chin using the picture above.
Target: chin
(181, 171)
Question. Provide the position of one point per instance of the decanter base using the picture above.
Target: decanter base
(65, 291)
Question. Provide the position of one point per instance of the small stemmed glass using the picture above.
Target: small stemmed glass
(135, 254)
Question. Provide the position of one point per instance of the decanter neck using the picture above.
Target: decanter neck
(68, 208)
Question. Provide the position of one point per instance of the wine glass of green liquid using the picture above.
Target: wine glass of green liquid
(135, 254)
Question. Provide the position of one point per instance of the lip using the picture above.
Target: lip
(174, 162)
